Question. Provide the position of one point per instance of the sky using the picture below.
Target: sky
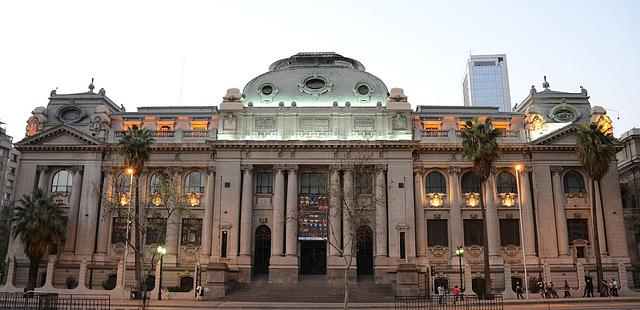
(158, 53)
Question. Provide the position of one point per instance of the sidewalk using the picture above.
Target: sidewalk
(192, 304)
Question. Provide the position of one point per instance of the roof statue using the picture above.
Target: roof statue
(545, 84)
(91, 87)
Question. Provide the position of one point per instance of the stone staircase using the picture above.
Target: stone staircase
(310, 289)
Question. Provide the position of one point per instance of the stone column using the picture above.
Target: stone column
(381, 211)
(456, 230)
(527, 213)
(43, 177)
(278, 212)
(419, 204)
(493, 225)
(74, 208)
(561, 216)
(87, 216)
(348, 212)
(292, 211)
(334, 211)
(601, 228)
(173, 224)
(246, 204)
(105, 217)
(207, 222)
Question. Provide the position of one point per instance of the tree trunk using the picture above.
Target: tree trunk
(485, 242)
(596, 237)
(137, 242)
(34, 264)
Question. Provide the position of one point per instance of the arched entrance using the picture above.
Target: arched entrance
(364, 251)
(477, 285)
(262, 250)
(437, 282)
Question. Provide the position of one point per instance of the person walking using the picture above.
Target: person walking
(541, 289)
(456, 294)
(519, 292)
(552, 291)
(604, 286)
(440, 294)
(589, 288)
(615, 287)
(566, 289)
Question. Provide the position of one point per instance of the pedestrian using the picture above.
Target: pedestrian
(615, 287)
(456, 294)
(604, 286)
(440, 294)
(566, 289)
(199, 292)
(589, 288)
(541, 289)
(552, 291)
(519, 292)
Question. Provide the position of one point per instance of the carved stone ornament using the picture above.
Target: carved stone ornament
(246, 168)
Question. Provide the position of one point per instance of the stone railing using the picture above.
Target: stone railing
(195, 133)
(163, 133)
(435, 133)
(508, 133)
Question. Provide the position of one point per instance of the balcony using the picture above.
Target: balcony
(163, 133)
(195, 133)
(508, 133)
(435, 133)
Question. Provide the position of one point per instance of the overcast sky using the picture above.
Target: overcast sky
(136, 49)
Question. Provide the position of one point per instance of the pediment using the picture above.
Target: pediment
(563, 136)
(60, 135)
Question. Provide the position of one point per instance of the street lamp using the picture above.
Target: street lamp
(518, 168)
(130, 171)
(460, 254)
(161, 251)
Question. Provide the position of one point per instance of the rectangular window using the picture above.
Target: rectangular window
(403, 253)
(9, 183)
(473, 232)
(14, 158)
(7, 196)
(223, 244)
(580, 252)
(191, 231)
(509, 232)
(156, 231)
(313, 183)
(437, 233)
(364, 183)
(578, 229)
(12, 170)
(264, 183)
(119, 230)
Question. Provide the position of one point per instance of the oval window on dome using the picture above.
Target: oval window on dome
(315, 83)
(564, 115)
(267, 89)
(363, 90)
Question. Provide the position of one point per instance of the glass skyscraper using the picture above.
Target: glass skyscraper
(486, 82)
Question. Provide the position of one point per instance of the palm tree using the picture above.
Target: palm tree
(596, 150)
(479, 145)
(40, 226)
(135, 149)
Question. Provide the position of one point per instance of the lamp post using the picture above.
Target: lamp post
(460, 254)
(518, 168)
(161, 251)
(130, 172)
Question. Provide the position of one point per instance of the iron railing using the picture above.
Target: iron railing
(29, 301)
(450, 302)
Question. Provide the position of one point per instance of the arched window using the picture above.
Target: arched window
(156, 180)
(62, 181)
(573, 183)
(469, 184)
(506, 183)
(194, 182)
(436, 183)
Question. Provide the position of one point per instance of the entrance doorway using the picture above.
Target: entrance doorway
(262, 250)
(364, 250)
(313, 257)
(477, 285)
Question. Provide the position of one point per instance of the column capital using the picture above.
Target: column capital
(381, 167)
(525, 169)
(335, 167)
(291, 168)
(43, 168)
(419, 170)
(454, 170)
(246, 168)
(557, 169)
(77, 168)
(279, 168)
(494, 170)
(175, 170)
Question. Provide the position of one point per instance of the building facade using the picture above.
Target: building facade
(486, 82)
(311, 157)
(629, 174)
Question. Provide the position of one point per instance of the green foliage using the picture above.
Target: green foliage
(135, 147)
(595, 149)
(479, 145)
(38, 223)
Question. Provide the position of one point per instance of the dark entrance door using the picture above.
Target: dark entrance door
(313, 257)
(262, 251)
(364, 249)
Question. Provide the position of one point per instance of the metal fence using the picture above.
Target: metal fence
(28, 301)
(450, 302)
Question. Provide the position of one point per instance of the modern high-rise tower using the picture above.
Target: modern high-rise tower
(486, 82)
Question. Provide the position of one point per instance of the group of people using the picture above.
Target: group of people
(443, 291)
(547, 290)
(608, 289)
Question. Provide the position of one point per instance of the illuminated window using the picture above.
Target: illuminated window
(432, 125)
(199, 125)
(501, 125)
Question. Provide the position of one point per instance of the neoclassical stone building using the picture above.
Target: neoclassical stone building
(271, 169)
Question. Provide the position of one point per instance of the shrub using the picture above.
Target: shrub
(71, 282)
